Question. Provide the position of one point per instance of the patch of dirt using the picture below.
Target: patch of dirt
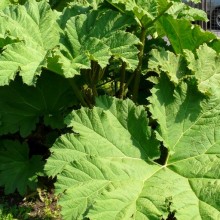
(39, 205)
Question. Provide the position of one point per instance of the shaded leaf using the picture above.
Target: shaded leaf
(17, 170)
(20, 111)
(176, 111)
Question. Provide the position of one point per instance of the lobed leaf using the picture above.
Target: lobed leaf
(122, 123)
(177, 111)
(34, 26)
(105, 172)
(18, 57)
(20, 112)
(189, 128)
(91, 37)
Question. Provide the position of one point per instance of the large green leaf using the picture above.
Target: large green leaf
(22, 105)
(105, 170)
(104, 138)
(119, 131)
(34, 25)
(19, 57)
(95, 36)
(17, 170)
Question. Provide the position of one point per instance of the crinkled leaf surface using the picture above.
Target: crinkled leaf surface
(28, 60)
(181, 10)
(17, 170)
(92, 3)
(96, 36)
(121, 47)
(144, 11)
(20, 111)
(60, 5)
(175, 110)
(181, 34)
(189, 128)
(103, 139)
(105, 171)
(72, 11)
(205, 64)
(34, 25)
(122, 117)
(173, 65)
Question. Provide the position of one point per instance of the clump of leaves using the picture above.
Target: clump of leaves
(107, 157)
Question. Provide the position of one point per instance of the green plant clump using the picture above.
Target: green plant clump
(116, 101)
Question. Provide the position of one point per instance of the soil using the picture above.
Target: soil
(39, 205)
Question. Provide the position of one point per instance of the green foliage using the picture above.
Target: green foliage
(34, 26)
(13, 212)
(149, 152)
(184, 11)
(181, 34)
(144, 12)
(17, 170)
(5, 216)
(205, 66)
(170, 63)
(109, 157)
(21, 112)
(95, 37)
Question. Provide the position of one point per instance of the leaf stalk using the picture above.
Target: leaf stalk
(77, 92)
(137, 73)
(122, 81)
